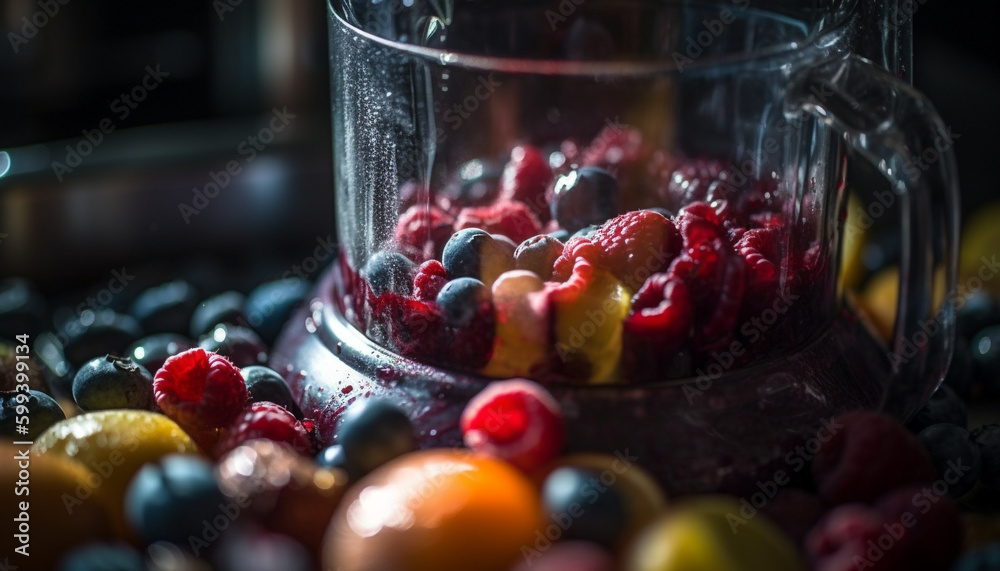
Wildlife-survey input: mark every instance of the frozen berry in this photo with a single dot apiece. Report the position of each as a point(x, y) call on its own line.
point(537, 254)
point(422, 231)
point(944, 406)
point(511, 219)
point(102, 557)
point(268, 421)
point(526, 178)
point(372, 433)
point(39, 410)
point(517, 421)
point(473, 253)
point(151, 352)
point(225, 307)
point(979, 311)
point(637, 245)
point(389, 272)
point(430, 278)
point(986, 355)
point(200, 390)
point(956, 459)
point(238, 344)
point(987, 438)
point(460, 300)
point(264, 384)
point(96, 333)
point(113, 382)
point(166, 308)
point(867, 455)
point(269, 305)
point(587, 510)
point(172, 499)
point(584, 197)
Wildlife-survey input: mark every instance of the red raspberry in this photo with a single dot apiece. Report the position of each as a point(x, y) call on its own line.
point(761, 249)
point(698, 180)
point(622, 151)
point(840, 541)
point(509, 218)
point(199, 390)
point(269, 421)
point(430, 278)
point(659, 322)
point(422, 231)
point(576, 248)
point(416, 328)
point(526, 178)
point(637, 245)
point(868, 455)
point(517, 421)
point(926, 525)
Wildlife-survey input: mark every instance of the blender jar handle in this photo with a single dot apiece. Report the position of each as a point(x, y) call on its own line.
point(897, 130)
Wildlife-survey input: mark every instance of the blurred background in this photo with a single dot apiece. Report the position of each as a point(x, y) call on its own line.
point(70, 69)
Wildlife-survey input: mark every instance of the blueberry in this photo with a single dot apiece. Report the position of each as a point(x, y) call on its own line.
point(166, 308)
point(226, 307)
point(979, 311)
point(22, 309)
point(265, 384)
point(171, 500)
point(460, 300)
point(151, 352)
point(270, 305)
point(96, 333)
point(240, 345)
point(374, 432)
point(473, 253)
point(42, 412)
point(103, 557)
point(538, 254)
point(960, 373)
point(332, 457)
point(944, 406)
point(561, 234)
point(986, 356)
point(389, 272)
point(582, 506)
point(987, 438)
point(584, 197)
point(477, 184)
point(984, 558)
point(955, 457)
point(113, 382)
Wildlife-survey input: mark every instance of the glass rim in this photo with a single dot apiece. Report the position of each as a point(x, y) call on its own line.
point(604, 68)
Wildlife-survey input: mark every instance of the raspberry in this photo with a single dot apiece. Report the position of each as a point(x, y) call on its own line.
point(422, 231)
point(622, 151)
point(268, 421)
point(526, 178)
point(698, 180)
point(659, 324)
point(576, 248)
point(517, 421)
point(926, 526)
point(761, 248)
point(840, 542)
point(199, 390)
point(416, 327)
point(429, 279)
point(510, 218)
point(868, 455)
point(636, 245)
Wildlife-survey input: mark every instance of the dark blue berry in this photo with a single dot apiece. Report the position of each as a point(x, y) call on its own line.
point(96, 333)
point(460, 300)
point(151, 352)
point(372, 433)
point(264, 384)
point(175, 499)
point(332, 457)
point(583, 507)
point(226, 307)
point(113, 382)
point(474, 253)
point(979, 311)
point(584, 197)
point(985, 558)
point(944, 406)
point(166, 308)
point(987, 438)
point(42, 412)
point(389, 272)
point(239, 344)
point(270, 305)
point(954, 456)
point(22, 309)
point(986, 356)
point(961, 372)
point(101, 557)
point(538, 254)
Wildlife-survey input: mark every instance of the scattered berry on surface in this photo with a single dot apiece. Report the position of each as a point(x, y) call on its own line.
point(222, 308)
point(200, 390)
point(238, 344)
point(264, 384)
point(151, 352)
point(268, 421)
point(956, 459)
point(269, 305)
point(166, 308)
point(113, 382)
point(42, 412)
point(372, 433)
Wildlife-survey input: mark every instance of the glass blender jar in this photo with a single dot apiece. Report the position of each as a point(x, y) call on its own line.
point(640, 205)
